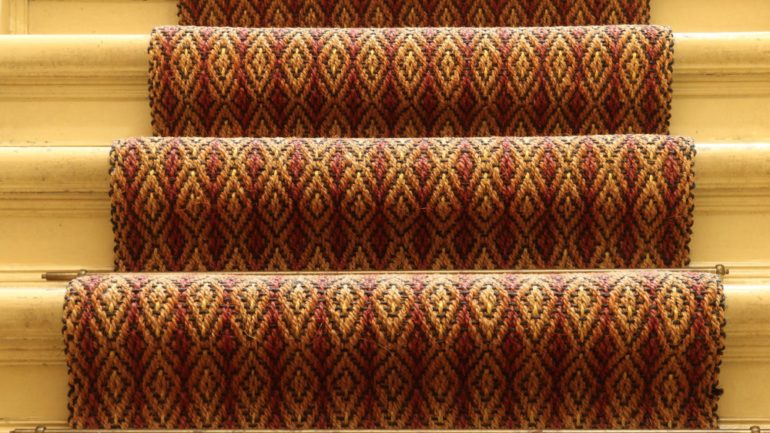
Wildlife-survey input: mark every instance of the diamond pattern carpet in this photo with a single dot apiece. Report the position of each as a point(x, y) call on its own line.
point(375, 137)
point(398, 82)
point(195, 204)
point(480, 350)
point(422, 13)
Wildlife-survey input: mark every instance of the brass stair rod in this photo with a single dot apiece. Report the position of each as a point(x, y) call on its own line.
point(720, 270)
point(41, 429)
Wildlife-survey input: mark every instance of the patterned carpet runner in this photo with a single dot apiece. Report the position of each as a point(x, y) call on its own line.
point(450, 139)
point(481, 350)
point(411, 13)
point(399, 82)
point(249, 204)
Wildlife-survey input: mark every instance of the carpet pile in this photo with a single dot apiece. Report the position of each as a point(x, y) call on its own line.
point(420, 13)
point(251, 204)
point(419, 82)
point(421, 154)
point(470, 350)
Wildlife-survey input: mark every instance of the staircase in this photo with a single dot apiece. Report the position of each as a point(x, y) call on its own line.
point(73, 77)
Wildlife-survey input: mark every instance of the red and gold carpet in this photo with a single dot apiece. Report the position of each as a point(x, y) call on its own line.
point(412, 13)
point(480, 348)
point(252, 204)
point(471, 350)
point(410, 82)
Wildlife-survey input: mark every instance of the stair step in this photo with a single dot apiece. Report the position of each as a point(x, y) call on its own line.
point(32, 358)
point(56, 208)
point(120, 16)
point(90, 90)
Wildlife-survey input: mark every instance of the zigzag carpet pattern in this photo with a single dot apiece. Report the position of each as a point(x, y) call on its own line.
point(400, 13)
point(251, 204)
point(417, 82)
point(496, 350)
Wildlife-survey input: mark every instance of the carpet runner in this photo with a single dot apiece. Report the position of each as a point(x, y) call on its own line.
point(471, 350)
point(251, 204)
point(397, 82)
point(400, 13)
point(466, 149)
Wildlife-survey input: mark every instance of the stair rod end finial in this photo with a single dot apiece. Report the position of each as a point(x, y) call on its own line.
point(64, 275)
point(722, 270)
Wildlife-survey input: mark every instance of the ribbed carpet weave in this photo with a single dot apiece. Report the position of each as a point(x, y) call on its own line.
point(411, 13)
point(193, 204)
point(599, 350)
point(400, 82)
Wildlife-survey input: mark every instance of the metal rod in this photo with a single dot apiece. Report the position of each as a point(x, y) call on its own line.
point(42, 429)
point(720, 270)
point(64, 275)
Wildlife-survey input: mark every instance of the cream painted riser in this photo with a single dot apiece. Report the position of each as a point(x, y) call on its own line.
point(138, 16)
point(90, 90)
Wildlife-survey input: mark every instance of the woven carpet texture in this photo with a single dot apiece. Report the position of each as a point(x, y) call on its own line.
point(399, 82)
point(421, 151)
point(400, 13)
point(615, 349)
point(251, 204)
